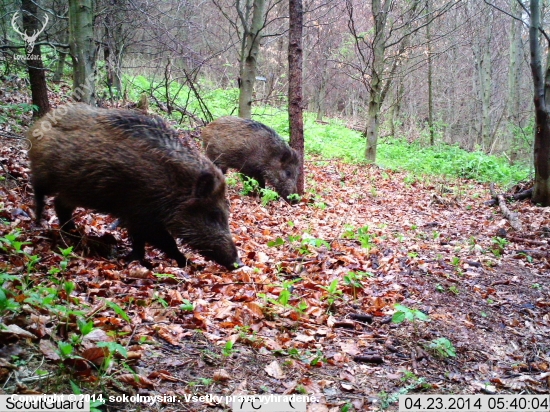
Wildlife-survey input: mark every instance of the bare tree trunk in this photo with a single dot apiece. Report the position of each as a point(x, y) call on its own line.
point(249, 58)
point(112, 53)
point(514, 75)
point(35, 67)
point(430, 74)
point(62, 56)
point(83, 50)
point(483, 85)
point(486, 84)
point(541, 189)
point(379, 15)
point(295, 108)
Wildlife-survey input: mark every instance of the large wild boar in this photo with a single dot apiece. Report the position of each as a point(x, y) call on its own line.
point(253, 149)
point(133, 167)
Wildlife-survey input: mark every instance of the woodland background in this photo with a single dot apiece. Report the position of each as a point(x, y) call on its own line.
point(394, 274)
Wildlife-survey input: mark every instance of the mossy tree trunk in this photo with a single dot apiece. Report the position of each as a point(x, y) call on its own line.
point(250, 50)
point(83, 49)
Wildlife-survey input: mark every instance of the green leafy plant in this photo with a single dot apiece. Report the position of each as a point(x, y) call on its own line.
point(361, 234)
point(95, 403)
point(333, 293)
point(268, 196)
point(277, 242)
point(10, 244)
point(404, 313)
point(206, 381)
point(66, 254)
point(32, 261)
point(348, 407)
point(294, 197)
point(7, 303)
point(228, 350)
point(187, 306)
point(353, 279)
point(308, 240)
point(250, 185)
point(442, 348)
point(454, 289)
point(500, 244)
point(118, 310)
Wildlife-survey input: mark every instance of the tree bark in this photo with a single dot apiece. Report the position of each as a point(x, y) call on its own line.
point(61, 57)
point(379, 15)
point(514, 76)
point(483, 81)
point(295, 107)
point(541, 188)
point(35, 67)
point(83, 50)
point(430, 74)
point(249, 58)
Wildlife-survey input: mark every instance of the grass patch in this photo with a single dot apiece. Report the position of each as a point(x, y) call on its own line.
point(334, 140)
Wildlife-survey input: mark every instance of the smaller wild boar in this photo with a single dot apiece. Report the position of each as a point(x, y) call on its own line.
point(133, 167)
point(253, 149)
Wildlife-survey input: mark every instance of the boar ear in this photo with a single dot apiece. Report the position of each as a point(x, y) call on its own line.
point(286, 156)
point(206, 182)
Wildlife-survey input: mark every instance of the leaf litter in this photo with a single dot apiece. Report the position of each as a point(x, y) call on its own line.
point(311, 311)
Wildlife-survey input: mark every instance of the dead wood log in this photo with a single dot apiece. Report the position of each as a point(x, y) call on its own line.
point(525, 194)
point(512, 217)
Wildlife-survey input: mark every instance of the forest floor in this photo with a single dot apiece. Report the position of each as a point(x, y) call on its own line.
point(309, 313)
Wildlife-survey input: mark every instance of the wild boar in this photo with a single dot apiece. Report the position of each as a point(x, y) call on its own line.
point(253, 149)
point(135, 168)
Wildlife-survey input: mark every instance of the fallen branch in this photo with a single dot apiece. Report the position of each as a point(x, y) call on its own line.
point(524, 194)
point(527, 241)
point(539, 254)
point(512, 217)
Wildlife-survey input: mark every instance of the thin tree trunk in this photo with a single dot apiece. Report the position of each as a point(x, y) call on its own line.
point(430, 74)
point(62, 56)
point(541, 189)
point(373, 121)
point(249, 59)
point(83, 50)
point(514, 73)
point(35, 67)
point(295, 108)
point(486, 84)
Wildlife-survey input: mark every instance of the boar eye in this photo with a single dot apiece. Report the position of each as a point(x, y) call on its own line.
point(288, 174)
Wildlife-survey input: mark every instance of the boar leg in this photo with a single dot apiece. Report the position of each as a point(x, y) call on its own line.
point(138, 248)
point(39, 200)
point(64, 215)
point(161, 239)
point(164, 241)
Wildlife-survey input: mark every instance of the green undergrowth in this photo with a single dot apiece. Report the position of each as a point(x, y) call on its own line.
point(332, 139)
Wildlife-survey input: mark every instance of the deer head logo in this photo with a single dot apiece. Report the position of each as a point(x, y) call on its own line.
point(30, 40)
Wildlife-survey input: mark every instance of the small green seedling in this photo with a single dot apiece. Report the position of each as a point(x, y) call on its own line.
point(404, 313)
point(442, 348)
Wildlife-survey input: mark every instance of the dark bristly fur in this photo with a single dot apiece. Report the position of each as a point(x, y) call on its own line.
point(254, 150)
point(133, 167)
